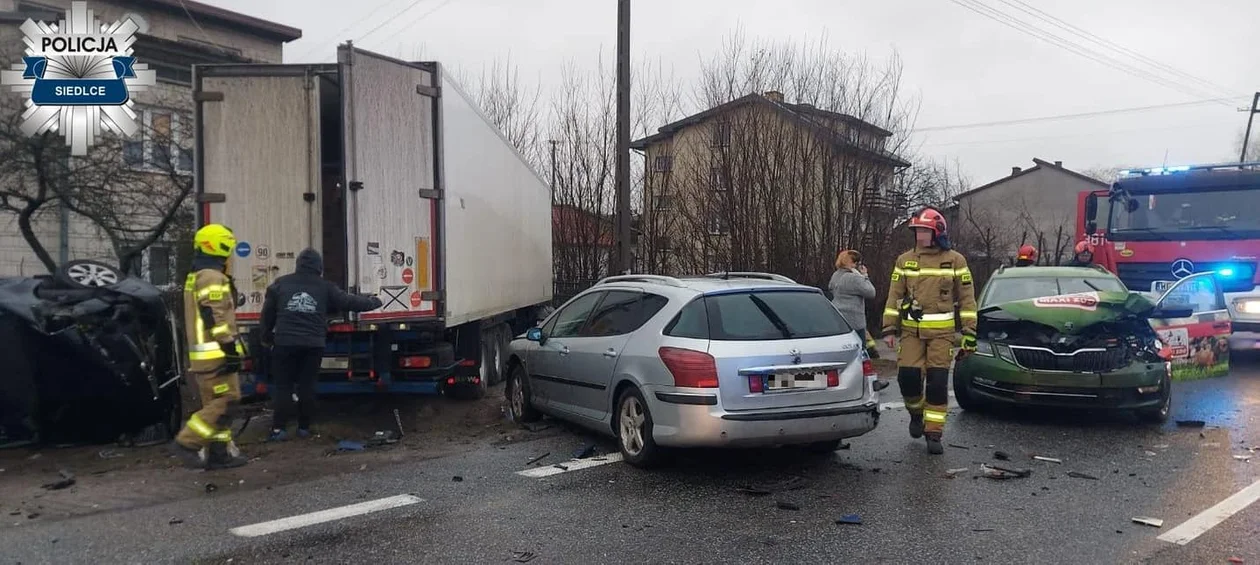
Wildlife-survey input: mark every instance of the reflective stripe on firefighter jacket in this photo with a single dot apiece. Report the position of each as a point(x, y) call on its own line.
point(209, 318)
point(932, 280)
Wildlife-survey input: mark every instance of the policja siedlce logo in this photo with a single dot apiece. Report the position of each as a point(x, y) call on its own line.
point(79, 75)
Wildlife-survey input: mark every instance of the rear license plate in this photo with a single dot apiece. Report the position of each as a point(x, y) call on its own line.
point(795, 381)
point(334, 363)
point(1159, 287)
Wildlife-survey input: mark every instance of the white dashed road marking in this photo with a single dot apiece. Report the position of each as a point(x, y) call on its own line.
point(568, 466)
point(303, 520)
point(1208, 519)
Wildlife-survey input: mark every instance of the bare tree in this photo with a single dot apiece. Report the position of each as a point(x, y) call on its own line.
point(511, 105)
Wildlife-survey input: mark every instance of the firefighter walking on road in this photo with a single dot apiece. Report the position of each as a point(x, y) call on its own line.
point(926, 283)
point(214, 352)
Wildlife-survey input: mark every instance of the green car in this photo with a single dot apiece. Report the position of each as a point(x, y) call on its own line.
point(1075, 337)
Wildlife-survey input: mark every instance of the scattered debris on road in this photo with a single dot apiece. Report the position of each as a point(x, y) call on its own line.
point(537, 427)
point(1001, 456)
point(588, 450)
point(954, 445)
point(752, 491)
point(67, 481)
point(539, 458)
point(1048, 459)
point(785, 505)
point(347, 445)
point(951, 473)
point(174, 521)
point(1002, 473)
point(1155, 522)
point(106, 454)
point(457, 479)
point(1243, 458)
point(1235, 560)
point(1151, 454)
point(523, 556)
point(211, 487)
point(982, 529)
point(380, 438)
point(1076, 475)
point(1191, 423)
point(850, 519)
point(398, 420)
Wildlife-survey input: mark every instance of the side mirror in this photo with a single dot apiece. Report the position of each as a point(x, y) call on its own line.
point(1132, 206)
point(534, 334)
point(1091, 227)
point(1172, 313)
point(1091, 208)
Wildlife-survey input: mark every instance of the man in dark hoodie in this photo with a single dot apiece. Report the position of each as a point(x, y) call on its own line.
point(295, 323)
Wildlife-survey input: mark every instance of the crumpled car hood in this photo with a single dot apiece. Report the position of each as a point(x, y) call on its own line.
point(1072, 313)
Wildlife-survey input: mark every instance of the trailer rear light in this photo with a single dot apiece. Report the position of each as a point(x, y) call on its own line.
point(415, 362)
point(476, 380)
point(341, 328)
point(450, 381)
point(833, 378)
point(695, 369)
point(467, 362)
point(756, 383)
point(260, 388)
point(372, 374)
point(349, 375)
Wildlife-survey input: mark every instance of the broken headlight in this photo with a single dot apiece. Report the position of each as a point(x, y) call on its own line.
point(984, 347)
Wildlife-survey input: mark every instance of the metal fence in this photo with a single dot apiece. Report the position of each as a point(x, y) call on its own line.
point(562, 291)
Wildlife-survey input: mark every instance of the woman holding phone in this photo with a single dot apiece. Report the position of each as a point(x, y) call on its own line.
point(850, 289)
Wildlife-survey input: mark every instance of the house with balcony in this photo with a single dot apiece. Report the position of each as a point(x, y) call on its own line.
point(173, 36)
point(758, 182)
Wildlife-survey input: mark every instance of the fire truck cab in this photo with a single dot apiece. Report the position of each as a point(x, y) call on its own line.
point(1158, 225)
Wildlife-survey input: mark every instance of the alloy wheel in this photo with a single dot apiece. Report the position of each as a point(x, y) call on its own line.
point(518, 399)
point(92, 275)
point(632, 420)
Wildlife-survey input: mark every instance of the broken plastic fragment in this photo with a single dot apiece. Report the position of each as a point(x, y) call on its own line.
point(1048, 459)
point(1156, 522)
point(850, 519)
point(1077, 475)
point(1191, 423)
point(785, 505)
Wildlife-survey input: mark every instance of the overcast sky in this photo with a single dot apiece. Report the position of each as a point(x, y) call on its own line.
point(966, 68)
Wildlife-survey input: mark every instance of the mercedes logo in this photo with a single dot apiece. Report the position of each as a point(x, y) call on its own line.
point(1182, 268)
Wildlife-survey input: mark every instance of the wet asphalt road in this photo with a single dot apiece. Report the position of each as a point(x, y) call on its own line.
point(693, 511)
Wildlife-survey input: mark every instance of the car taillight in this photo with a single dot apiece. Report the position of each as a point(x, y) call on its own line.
point(415, 362)
point(833, 378)
point(695, 369)
point(868, 368)
point(756, 383)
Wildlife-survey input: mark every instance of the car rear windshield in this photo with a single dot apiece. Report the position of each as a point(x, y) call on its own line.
point(1024, 288)
point(759, 316)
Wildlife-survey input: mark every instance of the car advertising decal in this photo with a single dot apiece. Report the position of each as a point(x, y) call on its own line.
point(1087, 301)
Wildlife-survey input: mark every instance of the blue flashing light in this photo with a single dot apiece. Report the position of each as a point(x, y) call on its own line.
point(1124, 173)
point(1180, 169)
point(1226, 272)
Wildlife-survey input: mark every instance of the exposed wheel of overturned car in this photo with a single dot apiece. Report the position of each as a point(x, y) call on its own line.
point(87, 274)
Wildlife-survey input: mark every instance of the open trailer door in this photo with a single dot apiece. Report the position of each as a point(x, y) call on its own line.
point(257, 168)
point(1199, 334)
point(391, 170)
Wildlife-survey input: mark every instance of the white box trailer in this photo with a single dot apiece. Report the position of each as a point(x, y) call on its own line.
point(390, 171)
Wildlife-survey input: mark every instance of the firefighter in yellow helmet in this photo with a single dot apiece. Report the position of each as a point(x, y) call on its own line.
point(214, 351)
point(926, 283)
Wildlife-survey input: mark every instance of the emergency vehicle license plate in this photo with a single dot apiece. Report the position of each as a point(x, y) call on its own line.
point(1160, 287)
point(334, 363)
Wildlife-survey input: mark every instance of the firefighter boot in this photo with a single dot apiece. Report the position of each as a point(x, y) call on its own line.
point(221, 457)
point(934, 444)
point(916, 426)
point(191, 457)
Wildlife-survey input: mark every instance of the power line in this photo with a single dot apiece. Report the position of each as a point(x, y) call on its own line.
point(389, 19)
point(336, 37)
point(417, 20)
point(1082, 134)
point(1072, 116)
point(1023, 27)
point(1044, 16)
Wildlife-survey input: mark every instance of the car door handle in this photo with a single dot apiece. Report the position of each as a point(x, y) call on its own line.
point(611, 353)
point(564, 350)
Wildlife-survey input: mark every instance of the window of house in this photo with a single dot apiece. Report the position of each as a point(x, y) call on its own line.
point(718, 179)
point(663, 163)
point(163, 143)
point(717, 223)
point(664, 202)
point(722, 134)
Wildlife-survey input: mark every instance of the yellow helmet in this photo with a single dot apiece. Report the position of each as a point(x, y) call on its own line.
point(215, 240)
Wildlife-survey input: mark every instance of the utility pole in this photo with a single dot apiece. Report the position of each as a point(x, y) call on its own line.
point(624, 261)
point(553, 171)
point(1255, 109)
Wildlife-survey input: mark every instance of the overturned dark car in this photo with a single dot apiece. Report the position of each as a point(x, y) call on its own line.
point(89, 355)
point(1075, 337)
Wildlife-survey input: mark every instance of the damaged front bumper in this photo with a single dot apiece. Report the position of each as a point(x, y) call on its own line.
point(995, 379)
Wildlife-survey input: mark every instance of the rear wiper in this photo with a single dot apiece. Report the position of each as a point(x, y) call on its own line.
point(774, 318)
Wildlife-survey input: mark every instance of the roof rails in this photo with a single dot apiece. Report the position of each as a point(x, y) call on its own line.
point(750, 275)
point(1186, 168)
point(662, 279)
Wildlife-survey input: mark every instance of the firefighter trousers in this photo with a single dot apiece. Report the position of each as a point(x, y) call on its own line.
point(923, 376)
point(220, 394)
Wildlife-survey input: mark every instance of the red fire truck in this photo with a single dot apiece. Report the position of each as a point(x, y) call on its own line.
point(1157, 225)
